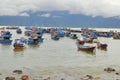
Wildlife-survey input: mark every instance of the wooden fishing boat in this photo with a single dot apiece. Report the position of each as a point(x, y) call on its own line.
point(6, 41)
point(87, 48)
point(73, 36)
point(39, 36)
point(55, 37)
point(27, 33)
point(67, 34)
point(116, 35)
point(102, 46)
point(60, 34)
point(7, 33)
point(79, 42)
point(33, 41)
point(20, 47)
point(19, 31)
point(20, 44)
point(5, 37)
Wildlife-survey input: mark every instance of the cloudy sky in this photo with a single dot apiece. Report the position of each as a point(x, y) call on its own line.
point(104, 8)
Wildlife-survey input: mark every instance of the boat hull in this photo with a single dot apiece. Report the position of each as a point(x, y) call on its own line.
point(20, 47)
point(91, 49)
point(103, 46)
point(55, 38)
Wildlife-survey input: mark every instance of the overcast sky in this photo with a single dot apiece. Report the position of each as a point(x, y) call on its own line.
point(105, 8)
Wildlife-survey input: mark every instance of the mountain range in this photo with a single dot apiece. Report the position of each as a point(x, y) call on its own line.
point(60, 19)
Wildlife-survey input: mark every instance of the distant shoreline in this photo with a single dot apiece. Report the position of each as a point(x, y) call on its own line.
point(74, 28)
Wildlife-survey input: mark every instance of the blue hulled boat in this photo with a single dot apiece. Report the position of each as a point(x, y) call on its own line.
point(73, 36)
point(33, 41)
point(20, 43)
point(102, 45)
point(55, 37)
point(27, 33)
point(7, 33)
point(5, 38)
point(61, 34)
point(19, 31)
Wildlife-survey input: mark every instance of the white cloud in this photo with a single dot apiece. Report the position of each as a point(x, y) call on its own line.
point(105, 8)
point(46, 15)
point(23, 14)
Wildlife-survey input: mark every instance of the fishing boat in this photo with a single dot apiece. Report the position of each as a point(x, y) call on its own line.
point(73, 36)
point(5, 40)
point(86, 40)
point(20, 43)
point(19, 31)
point(87, 48)
point(33, 41)
point(60, 34)
point(5, 37)
point(116, 35)
point(40, 39)
point(27, 33)
point(6, 33)
point(39, 36)
point(101, 45)
point(79, 42)
point(55, 37)
point(67, 34)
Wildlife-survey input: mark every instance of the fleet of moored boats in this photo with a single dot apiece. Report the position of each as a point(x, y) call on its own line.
point(35, 37)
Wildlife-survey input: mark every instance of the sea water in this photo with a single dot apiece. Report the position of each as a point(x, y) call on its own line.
point(60, 57)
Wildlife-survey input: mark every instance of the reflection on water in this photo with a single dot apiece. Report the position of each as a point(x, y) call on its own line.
point(19, 50)
point(104, 49)
point(19, 54)
point(88, 52)
point(5, 46)
point(34, 46)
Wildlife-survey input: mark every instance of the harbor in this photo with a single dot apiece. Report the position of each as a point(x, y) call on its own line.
point(59, 59)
